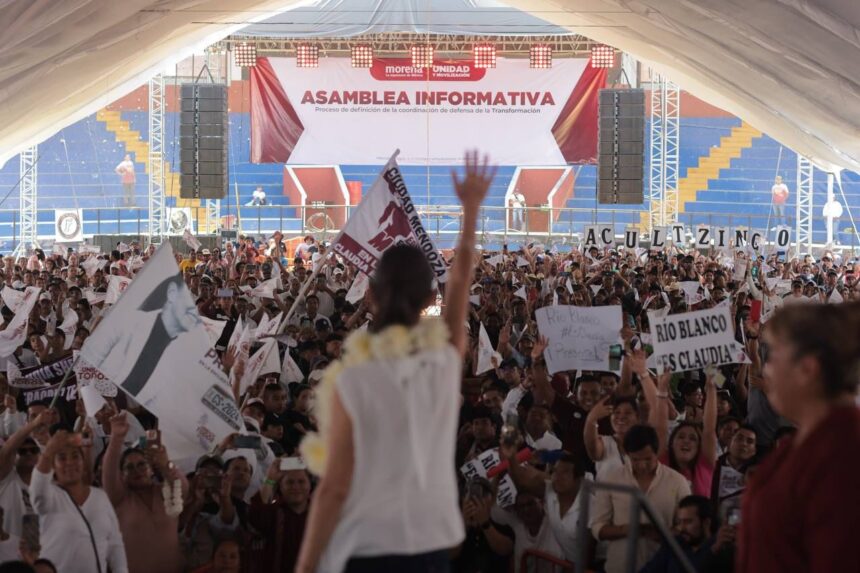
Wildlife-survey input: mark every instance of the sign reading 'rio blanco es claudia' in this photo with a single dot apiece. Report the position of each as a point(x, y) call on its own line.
point(694, 340)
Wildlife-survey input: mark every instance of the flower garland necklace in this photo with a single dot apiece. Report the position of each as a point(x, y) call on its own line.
point(172, 494)
point(392, 343)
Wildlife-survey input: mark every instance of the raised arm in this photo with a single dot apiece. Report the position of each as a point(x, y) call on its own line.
point(471, 190)
point(593, 443)
point(111, 473)
point(16, 440)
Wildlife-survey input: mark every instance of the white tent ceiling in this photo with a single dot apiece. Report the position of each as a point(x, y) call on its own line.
point(789, 67)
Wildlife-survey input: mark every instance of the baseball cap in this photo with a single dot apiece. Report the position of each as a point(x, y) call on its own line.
point(205, 252)
point(209, 460)
point(319, 362)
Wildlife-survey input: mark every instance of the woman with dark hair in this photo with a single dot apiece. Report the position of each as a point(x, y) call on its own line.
point(79, 530)
point(388, 412)
point(607, 452)
point(800, 509)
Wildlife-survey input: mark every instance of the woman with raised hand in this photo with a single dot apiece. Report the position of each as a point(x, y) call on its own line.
point(388, 413)
point(79, 529)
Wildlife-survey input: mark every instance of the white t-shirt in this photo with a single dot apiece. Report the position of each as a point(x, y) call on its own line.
point(612, 458)
point(517, 199)
point(545, 540)
point(9, 549)
point(15, 501)
point(564, 527)
point(64, 536)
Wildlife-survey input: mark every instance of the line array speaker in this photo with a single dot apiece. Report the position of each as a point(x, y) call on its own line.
point(621, 146)
point(203, 124)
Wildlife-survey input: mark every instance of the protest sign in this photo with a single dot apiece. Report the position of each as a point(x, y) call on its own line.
point(154, 347)
point(386, 216)
point(590, 236)
point(678, 233)
point(658, 237)
point(606, 234)
point(783, 238)
point(90, 249)
point(740, 270)
point(721, 237)
point(631, 237)
point(66, 400)
point(507, 491)
point(703, 236)
point(191, 240)
point(756, 240)
point(579, 337)
point(694, 340)
point(92, 264)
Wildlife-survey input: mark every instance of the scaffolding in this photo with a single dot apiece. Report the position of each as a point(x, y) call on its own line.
point(664, 143)
point(805, 180)
point(157, 208)
point(28, 236)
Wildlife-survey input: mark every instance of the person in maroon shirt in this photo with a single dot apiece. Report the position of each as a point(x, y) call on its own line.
point(801, 508)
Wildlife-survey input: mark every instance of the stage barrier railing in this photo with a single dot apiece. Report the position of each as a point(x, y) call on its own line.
point(497, 225)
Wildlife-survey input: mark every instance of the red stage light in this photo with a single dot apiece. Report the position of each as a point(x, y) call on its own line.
point(361, 56)
point(245, 55)
point(484, 55)
point(602, 56)
point(422, 56)
point(307, 56)
point(540, 56)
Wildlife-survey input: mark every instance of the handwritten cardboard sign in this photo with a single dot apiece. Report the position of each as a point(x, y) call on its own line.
point(579, 337)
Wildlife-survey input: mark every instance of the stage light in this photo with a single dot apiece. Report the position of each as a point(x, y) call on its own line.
point(540, 56)
point(307, 56)
point(422, 56)
point(245, 55)
point(484, 55)
point(361, 56)
point(602, 56)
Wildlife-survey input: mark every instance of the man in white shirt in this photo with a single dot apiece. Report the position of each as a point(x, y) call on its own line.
point(779, 192)
point(531, 526)
point(663, 486)
point(517, 203)
point(258, 197)
point(126, 172)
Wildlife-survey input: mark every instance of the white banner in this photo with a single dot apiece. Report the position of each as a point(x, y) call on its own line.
point(694, 340)
point(153, 345)
point(179, 219)
point(579, 337)
point(352, 115)
point(358, 288)
point(87, 375)
point(68, 225)
point(386, 217)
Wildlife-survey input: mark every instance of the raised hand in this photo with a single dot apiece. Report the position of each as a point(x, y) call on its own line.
point(539, 347)
point(473, 187)
point(119, 425)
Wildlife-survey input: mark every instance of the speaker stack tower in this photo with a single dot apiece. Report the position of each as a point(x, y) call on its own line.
point(203, 141)
point(621, 146)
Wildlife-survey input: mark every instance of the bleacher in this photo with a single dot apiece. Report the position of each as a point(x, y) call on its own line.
point(76, 170)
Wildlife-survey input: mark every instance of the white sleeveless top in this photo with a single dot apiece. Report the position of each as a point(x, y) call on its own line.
point(403, 498)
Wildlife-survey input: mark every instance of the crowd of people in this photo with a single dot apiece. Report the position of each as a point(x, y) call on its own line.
point(86, 491)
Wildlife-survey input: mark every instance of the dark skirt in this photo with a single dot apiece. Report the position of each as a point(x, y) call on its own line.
point(433, 562)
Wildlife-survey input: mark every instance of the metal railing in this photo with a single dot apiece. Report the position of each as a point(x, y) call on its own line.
point(639, 504)
point(496, 224)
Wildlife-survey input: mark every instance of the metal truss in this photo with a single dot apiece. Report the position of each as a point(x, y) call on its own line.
point(157, 210)
point(563, 46)
point(664, 145)
point(28, 237)
point(805, 180)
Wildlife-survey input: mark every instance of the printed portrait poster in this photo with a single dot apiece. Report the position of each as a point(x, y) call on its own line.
point(154, 346)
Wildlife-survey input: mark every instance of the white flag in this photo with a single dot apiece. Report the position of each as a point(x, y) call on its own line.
point(386, 217)
point(596, 289)
point(522, 262)
point(496, 260)
point(116, 286)
point(475, 299)
point(214, 328)
point(12, 298)
point(191, 240)
point(691, 292)
point(265, 289)
point(521, 293)
point(290, 371)
point(69, 326)
point(835, 297)
point(268, 327)
point(93, 400)
point(255, 364)
point(92, 264)
point(238, 330)
point(123, 248)
point(485, 352)
point(15, 332)
point(153, 346)
point(358, 288)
